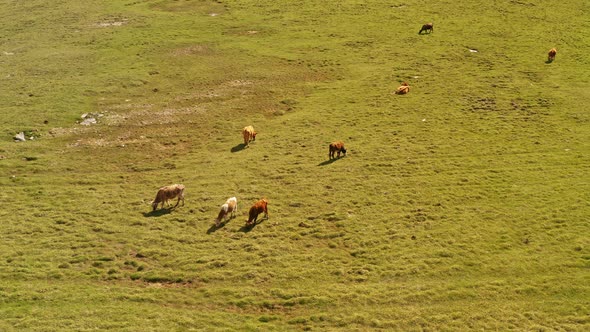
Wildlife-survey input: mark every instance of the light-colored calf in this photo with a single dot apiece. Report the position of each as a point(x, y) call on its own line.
point(229, 207)
point(167, 193)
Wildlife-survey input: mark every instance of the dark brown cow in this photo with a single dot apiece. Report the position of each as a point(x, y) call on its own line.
point(167, 193)
point(551, 55)
point(256, 209)
point(336, 148)
point(428, 28)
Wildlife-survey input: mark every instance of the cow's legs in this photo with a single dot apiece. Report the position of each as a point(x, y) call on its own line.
point(178, 201)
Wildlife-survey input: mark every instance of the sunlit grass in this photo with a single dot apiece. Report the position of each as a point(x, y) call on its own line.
point(461, 205)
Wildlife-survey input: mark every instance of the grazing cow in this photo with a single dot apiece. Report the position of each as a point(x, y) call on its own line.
point(403, 89)
point(167, 193)
point(336, 147)
point(551, 55)
point(428, 28)
point(230, 207)
point(256, 209)
point(249, 134)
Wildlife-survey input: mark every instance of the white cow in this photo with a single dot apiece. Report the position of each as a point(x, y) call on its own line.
point(229, 207)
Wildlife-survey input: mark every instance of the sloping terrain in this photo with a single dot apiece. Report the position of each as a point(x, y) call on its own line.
point(462, 205)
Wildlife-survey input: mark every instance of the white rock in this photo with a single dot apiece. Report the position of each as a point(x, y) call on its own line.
point(88, 121)
point(20, 137)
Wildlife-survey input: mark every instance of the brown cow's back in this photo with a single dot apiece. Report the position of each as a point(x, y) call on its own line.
point(336, 147)
point(551, 54)
point(249, 134)
point(256, 209)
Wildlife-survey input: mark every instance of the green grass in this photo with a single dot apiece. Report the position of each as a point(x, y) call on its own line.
point(461, 206)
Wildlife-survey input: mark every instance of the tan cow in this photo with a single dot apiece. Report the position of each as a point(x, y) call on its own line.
point(403, 89)
point(551, 54)
point(256, 209)
point(336, 147)
point(249, 135)
point(167, 193)
point(230, 207)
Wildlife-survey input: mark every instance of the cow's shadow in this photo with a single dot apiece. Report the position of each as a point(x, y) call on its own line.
point(157, 213)
point(329, 161)
point(238, 147)
point(214, 228)
point(548, 61)
point(247, 228)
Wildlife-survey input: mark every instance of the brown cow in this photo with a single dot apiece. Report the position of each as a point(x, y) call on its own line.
point(256, 209)
point(551, 55)
point(249, 134)
point(167, 193)
point(428, 28)
point(403, 89)
point(336, 147)
point(230, 207)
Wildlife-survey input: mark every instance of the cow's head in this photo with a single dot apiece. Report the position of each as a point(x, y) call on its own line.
point(343, 150)
point(254, 136)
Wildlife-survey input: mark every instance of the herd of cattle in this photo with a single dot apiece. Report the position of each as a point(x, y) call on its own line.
point(230, 207)
point(428, 28)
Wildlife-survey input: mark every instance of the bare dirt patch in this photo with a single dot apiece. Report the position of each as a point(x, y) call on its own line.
point(193, 50)
point(110, 24)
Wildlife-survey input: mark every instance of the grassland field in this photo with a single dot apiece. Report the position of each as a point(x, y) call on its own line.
point(463, 205)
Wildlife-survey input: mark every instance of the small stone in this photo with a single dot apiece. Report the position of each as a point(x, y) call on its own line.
point(88, 121)
point(20, 137)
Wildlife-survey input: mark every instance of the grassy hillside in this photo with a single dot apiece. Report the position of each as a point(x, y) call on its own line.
point(462, 205)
